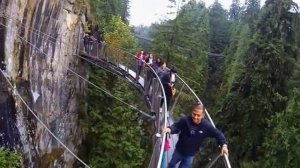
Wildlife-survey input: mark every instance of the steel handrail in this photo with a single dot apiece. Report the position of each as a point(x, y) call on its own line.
point(163, 92)
point(164, 96)
point(228, 165)
point(124, 50)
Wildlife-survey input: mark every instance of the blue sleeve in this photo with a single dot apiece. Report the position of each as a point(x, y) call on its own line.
point(177, 127)
point(217, 134)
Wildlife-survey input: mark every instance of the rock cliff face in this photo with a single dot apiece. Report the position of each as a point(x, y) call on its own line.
point(38, 41)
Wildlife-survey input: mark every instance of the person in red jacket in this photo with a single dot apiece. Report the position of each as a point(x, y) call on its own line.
point(140, 62)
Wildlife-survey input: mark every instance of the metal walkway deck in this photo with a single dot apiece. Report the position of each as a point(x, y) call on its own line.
point(123, 63)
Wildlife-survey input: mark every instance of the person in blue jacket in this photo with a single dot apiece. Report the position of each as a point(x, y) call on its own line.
point(192, 131)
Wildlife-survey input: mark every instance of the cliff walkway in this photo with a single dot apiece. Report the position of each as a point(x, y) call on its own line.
point(123, 63)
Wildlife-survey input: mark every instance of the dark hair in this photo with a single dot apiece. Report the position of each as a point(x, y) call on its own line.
point(161, 63)
point(198, 106)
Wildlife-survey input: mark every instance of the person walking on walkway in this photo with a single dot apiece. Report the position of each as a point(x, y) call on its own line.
point(192, 131)
point(140, 61)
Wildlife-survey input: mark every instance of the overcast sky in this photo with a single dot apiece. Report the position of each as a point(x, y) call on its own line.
point(145, 12)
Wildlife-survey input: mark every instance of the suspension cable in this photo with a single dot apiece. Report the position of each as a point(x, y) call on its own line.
point(91, 62)
point(207, 115)
point(35, 31)
point(107, 92)
point(41, 122)
point(29, 27)
point(163, 92)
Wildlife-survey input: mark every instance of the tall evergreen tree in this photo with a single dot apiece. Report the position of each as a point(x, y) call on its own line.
point(218, 41)
point(103, 10)
point(284, 152)
point(219, 26)
point(251, 13)
point(187, 51)
point(235, 10)
point(113, 131)
point(261, 90)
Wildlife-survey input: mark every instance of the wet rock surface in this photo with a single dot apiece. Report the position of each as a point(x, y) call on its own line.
point(38, 44)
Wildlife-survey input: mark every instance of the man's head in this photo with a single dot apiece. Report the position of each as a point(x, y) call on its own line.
point(198, 114)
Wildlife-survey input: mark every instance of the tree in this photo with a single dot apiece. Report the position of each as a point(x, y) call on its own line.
point(284, 151)
point(113, 131)
point(251, 13)
point(118, 34)
point(219, 26)
point(261, 90)
point(186, 51)
point(235, 10)
point(103, 10)
point(235, 59)
point(10, 158)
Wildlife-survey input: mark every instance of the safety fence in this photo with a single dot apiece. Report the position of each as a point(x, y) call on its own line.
point(153, 89)
point(122, 60)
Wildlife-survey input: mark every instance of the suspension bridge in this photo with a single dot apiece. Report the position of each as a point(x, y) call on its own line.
point(123, 63)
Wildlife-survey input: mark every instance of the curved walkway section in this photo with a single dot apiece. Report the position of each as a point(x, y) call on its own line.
point(180, 104)
point(123, 63)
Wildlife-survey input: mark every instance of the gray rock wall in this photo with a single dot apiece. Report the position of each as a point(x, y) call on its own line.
point(39, 39)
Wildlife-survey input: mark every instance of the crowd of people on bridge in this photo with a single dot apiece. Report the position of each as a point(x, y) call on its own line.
point(192, 129)
point(93, 35)
point(166, 75)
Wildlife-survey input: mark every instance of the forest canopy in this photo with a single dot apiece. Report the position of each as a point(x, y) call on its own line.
point(242, 62)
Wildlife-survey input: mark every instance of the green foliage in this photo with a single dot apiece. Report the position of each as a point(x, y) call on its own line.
point(258, 75)
point(234, 61)
point(284, 152)
point(10, 159)
point(119, 139)
point(235, 10)
point(186, 51)
point(219, 26)
point(282, 146)
point(114, 133)
point(113, 129)
point(251, 13)
point(259, 91)
point(219, 34)
point(103, 11)
point(118, 34)
point(111, 17)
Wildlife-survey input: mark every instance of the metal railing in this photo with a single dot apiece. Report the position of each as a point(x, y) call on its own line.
point(180, 104)
point(154, 90)
point(122, 60)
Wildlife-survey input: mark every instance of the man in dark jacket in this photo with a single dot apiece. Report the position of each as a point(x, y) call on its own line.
point(193, 130)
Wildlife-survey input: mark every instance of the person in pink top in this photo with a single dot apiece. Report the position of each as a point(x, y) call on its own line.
point(140, 62)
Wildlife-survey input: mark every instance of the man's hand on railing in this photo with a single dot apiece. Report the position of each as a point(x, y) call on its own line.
point(224, 150)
